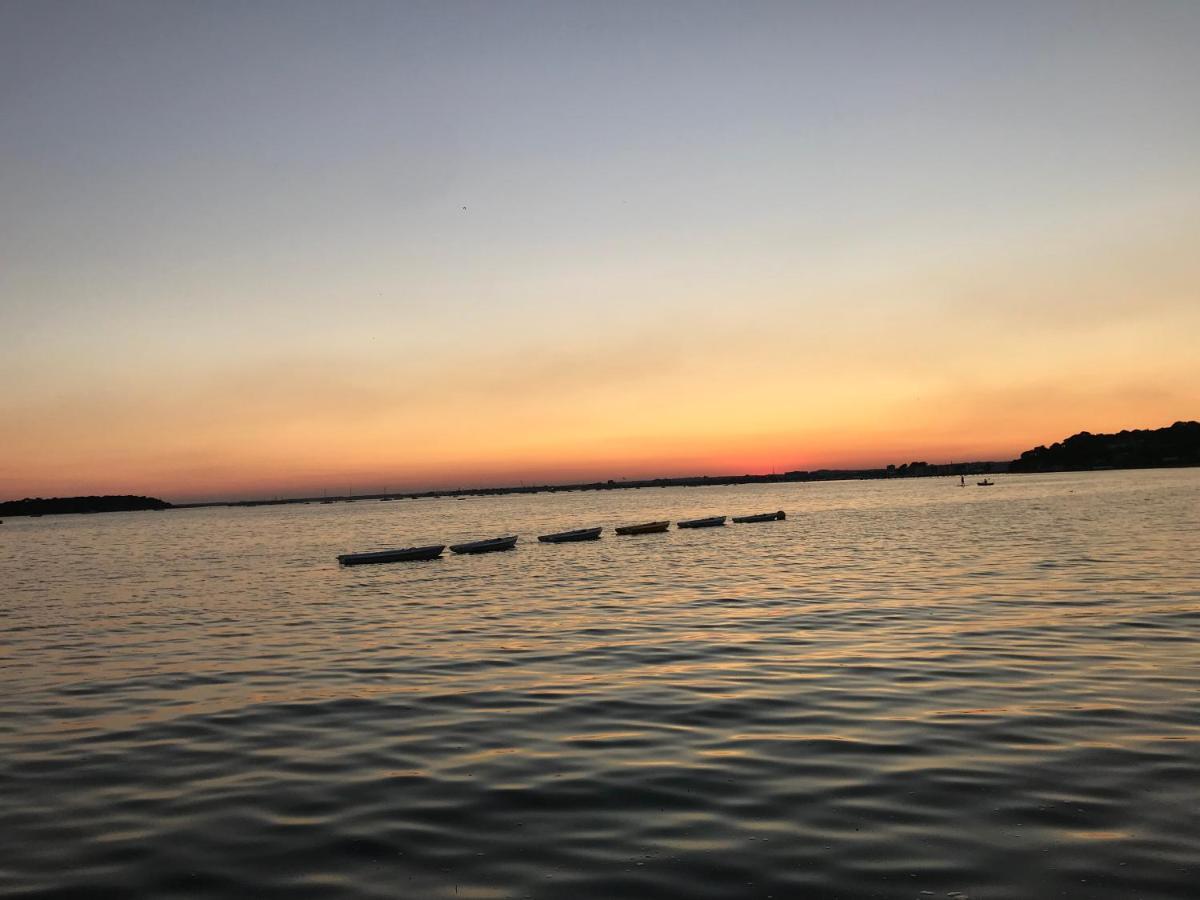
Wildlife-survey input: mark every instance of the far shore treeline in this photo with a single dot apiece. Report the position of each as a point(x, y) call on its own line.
point(1178, 445)
point(38, 506)
point(1175, 446)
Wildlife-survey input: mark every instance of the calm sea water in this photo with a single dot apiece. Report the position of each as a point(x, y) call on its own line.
point(907, 689)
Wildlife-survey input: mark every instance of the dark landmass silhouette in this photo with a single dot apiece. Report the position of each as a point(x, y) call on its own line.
point(51, 506)
point(906, 470)
point(1177, 445)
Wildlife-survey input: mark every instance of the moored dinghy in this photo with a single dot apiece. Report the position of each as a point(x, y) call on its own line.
point(486, 546)
point(710, 522)
point(762, 517)
point(403, 554)
point(565, 537)
point(644, 528)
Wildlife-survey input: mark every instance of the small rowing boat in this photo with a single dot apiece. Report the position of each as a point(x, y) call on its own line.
point(644, 528)
point(566, 537)
point(710, 522)
point(762, 517)
point(985, 483)
point(486, 546)
point(404, 554)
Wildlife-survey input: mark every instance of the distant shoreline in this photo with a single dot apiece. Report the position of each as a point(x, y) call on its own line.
point(821, 476)
point(978, 468)
point(920, 470)
point(62, 506)
point(1173, 447)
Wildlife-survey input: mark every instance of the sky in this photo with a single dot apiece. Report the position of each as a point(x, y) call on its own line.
point(253, 249)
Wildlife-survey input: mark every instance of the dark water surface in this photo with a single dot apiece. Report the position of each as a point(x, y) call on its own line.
point(907, 689)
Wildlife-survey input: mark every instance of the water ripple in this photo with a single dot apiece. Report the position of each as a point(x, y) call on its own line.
point(904, 690)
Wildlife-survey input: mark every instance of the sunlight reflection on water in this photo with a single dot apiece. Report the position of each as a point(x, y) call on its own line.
point(904, 687)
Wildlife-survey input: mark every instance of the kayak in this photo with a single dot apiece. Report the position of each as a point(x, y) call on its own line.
point(710, 522)
point(565, 537)
point(644, 528)
point(761, 517)
point(404, 554)
point(486, 546)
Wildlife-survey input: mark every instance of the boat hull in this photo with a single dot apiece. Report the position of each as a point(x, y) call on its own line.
point(568, 537)
point(761, 517)
point(403, 554)
point(491, 545)
point(644, 528)
point(710, 522)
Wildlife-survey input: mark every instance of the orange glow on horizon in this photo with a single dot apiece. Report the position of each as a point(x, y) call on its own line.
point(322, 311)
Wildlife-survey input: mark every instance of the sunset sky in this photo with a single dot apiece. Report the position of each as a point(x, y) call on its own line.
point(259, 249)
